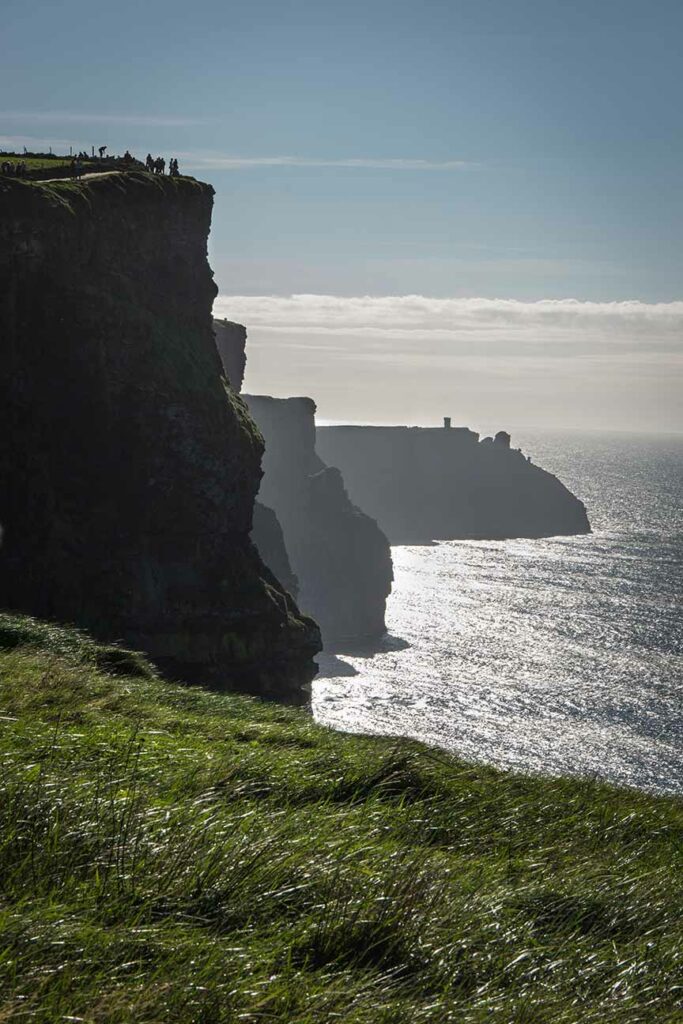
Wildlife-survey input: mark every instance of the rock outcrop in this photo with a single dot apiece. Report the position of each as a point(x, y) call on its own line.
point(128, 470)
point(267, 535)
point(231, 340)
point(340, 556)
point(424, 484)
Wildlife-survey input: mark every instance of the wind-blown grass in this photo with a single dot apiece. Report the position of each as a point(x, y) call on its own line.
point(37, 163)
point(169, 854)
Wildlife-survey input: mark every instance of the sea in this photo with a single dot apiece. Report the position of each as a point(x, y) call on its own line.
point(560, 656)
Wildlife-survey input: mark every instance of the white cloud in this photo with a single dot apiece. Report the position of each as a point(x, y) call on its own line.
point(419, 319)
point(196, 162)
point(412, 358)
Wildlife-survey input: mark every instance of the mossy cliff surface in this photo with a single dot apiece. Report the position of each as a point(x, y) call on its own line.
point(128, 469)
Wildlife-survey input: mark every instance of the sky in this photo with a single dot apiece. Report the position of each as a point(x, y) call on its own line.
point(448, 207)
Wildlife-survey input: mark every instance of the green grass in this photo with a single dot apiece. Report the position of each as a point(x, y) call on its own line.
point(37, 163)
point(168, 854)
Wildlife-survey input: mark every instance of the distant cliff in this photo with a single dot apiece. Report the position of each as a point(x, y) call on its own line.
point(340, 556)
point(231, 339)
point(424, 484)
point(267, 534)
point(128, 470)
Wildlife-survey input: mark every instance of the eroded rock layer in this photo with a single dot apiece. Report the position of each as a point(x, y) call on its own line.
point(128, 470)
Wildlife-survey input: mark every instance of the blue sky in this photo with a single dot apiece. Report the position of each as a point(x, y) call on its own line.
point(516, 149)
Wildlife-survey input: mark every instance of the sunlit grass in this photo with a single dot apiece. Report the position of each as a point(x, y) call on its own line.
point(168, 854)
point(37, 163)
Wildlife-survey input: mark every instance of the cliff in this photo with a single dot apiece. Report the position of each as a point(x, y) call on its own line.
point(267, 535)
point(128, 470)
point(231, 339)
point(340, 556)
point(424, 484)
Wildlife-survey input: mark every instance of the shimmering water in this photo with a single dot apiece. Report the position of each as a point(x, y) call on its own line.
point(557, 656)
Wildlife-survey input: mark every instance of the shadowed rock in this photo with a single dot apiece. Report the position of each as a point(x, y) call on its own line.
point(127, 470)
point(267, 535)
point(424, 484)
point(231, 339)
point(340, 556)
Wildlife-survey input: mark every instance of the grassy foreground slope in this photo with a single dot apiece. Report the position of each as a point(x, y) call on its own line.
point(169, 854)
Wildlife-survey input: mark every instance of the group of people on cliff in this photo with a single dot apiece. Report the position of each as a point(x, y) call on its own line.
point(15, 170)
point(157, 165)
point(77, 165)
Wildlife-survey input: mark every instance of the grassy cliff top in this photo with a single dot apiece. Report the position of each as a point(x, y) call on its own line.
point(17, 195)
point(169, 854)
point(37, 163)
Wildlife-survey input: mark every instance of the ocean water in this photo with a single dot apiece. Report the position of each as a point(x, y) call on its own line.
point(557, 656)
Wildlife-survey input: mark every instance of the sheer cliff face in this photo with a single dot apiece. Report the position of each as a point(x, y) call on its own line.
point(340, 556)
point(231, 339)
point(440, 484)
point(128, 470)
point(267, 534)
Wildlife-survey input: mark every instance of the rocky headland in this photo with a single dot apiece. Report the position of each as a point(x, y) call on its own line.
point(423, 484)
point(128, 467)
point(231, 340)
point(330, 554)
point(341, 558)
point(180, 855)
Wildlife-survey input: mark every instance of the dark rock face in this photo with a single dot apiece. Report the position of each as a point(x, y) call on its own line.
point(127, 470)
point(267, 535)
point(424, 484)
point(231, 340)
point(340, 556)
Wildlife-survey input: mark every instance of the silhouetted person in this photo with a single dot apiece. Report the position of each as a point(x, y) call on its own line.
point(101, 151)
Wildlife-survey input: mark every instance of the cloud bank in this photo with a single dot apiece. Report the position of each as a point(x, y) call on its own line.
point(476, 320)
point(196, 162)
point(412, 358)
